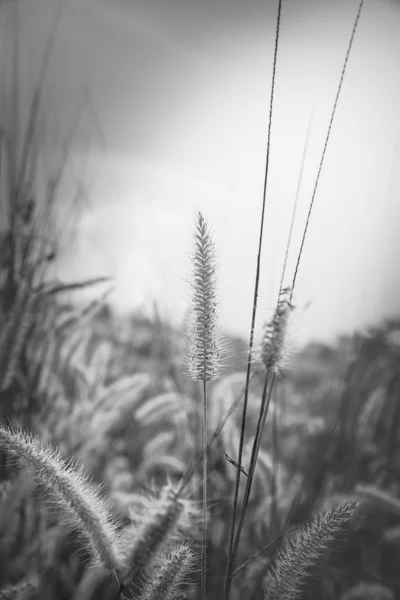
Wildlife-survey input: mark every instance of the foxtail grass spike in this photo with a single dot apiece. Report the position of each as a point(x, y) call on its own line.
point(272, 352)
point(166, 581)
point(70, 493)
point(292, 564)
point(205, 351)
point(143, 542)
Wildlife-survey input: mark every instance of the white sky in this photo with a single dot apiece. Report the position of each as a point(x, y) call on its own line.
point(182, 92)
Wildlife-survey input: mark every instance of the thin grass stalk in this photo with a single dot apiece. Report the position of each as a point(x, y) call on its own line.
point(78, 285)
point(265, 404)
point(229, 564)
point(295, 204)
point(18, 172)
point(326, 143)
point(9, 146)
point(249, 480)
point(14, 332)
point(147, 540)
point(204, 358)
point(344, 405)
point(15, 90)
point(262, 415)
point(55, 180)
point(271, 357)
point(263, 549)
point(275, 524)
point(217, 431)
point(37, 98)
point(52, 187)
point(205, 490)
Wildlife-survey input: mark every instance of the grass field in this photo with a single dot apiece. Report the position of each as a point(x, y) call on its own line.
point(144, 461)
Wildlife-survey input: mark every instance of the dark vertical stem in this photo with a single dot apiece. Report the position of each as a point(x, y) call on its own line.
point(265, 404)
point(326, 143)
point(205, 490)
point(275, 516)
point(296, 202)
point(229, 564)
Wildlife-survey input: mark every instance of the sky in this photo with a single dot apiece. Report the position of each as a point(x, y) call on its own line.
point(177, 122)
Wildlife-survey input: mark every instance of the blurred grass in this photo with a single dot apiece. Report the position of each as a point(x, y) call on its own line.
point(110, 391)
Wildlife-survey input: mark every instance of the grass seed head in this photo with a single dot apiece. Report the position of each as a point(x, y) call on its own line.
point(205, 350)
point(143, 541)
point(168, 578)
point(69, 492)
point(273, 344)
point(292, 564)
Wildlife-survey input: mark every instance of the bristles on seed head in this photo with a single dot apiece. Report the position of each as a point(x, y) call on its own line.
point(143, 541)
point(294, 562)
point(170, 574)
point(69, 491)
point(205, 350)
point(272, 353)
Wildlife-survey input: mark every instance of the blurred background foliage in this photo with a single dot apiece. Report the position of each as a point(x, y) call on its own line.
point(111, 392)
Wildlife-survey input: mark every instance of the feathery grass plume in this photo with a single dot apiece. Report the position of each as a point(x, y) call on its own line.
point(167, 579)
point(69, 492)
point(273, 351)
point(299, 555)
point(139, 543)
point(205, 351)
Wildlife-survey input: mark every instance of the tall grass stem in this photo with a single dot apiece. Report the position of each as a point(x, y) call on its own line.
point(229, 565)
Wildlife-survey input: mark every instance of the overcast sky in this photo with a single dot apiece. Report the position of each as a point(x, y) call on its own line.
point(181, 89)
